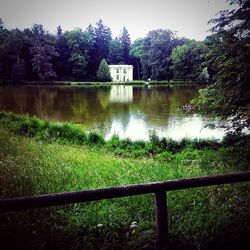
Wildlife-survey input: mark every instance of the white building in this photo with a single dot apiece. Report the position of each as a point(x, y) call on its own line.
point(121, 73)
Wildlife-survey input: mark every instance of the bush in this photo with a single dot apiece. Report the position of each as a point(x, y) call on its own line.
point(94, 138)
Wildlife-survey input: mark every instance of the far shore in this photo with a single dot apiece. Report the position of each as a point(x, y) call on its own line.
point(89, 83)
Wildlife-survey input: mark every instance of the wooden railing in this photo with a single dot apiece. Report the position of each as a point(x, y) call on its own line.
point(158, 188)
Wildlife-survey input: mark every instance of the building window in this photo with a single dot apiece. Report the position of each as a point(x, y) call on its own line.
point(117, 71)
point(124, 71)
point(117, 77)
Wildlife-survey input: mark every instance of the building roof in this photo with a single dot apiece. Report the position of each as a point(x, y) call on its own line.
point(121, 66)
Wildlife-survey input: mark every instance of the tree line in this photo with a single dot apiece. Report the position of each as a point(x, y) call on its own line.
point(35, 54)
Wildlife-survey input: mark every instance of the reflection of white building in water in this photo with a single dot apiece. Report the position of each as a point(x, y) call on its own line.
point(121, 73)
point(121, 94)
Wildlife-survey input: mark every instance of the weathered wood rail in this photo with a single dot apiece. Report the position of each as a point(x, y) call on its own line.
point(158, 188)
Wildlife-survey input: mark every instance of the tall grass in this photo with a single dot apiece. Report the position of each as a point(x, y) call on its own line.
point(68, 133)
point(204, 218)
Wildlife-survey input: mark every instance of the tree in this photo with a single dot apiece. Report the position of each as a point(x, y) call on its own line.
point(156, 54)
point(116, 52)
point(61, 63)
point(12, 53)
point(229, 96)
point(80, 44)
point(18, 70)
point(187, 60)
point(59, 31)
point(42, 51)
point(136, 55)
point(102, 39)
point(126, 42)
point(103, 73)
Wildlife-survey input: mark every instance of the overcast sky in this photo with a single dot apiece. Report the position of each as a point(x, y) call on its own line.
point(188, 17)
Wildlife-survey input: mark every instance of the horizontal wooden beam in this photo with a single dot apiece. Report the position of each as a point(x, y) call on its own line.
point(56, 199)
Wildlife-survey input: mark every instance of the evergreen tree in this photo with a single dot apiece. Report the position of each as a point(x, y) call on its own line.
point(126, 42)
point(61, 63)
point(103, 73)
point(91, 66)
point(115, 52)
point(59, 31)
point(42, 51)
point(102, 39)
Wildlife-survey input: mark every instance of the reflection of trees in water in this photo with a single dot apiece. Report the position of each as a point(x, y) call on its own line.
point(180, 96)
point(153, 103)
point(94, 107)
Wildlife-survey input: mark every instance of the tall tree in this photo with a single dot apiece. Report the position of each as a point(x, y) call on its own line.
point(229, 96)
point(42, 50)
point(115, 52)
point(126, 42)
point(80, 43)
point(102, 39)
point(136, 51)
point(156, 54)
point(103, 73)
point(59, 31)
point(12, 53)
point(188, 59)
point(61, 63)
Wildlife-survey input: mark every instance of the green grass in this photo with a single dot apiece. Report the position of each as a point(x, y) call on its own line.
point(69, 133)
point(204, 218)
point(94, 83)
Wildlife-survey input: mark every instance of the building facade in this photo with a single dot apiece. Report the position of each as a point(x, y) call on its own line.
point(121, 73)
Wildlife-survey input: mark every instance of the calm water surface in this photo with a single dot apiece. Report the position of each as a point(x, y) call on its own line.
point(128, 111)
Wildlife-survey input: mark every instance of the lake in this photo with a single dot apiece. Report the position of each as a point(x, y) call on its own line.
point(128, 111)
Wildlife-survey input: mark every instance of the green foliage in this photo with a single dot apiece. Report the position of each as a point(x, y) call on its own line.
point(136, 52)
point(42, 51)
point(203, 217)
point(102, 39)
point(126, 42)
point(80, 44)
point(115, 52)
point(103, 73)
point(35, 127)
point(95, 138)
point(67, 133)
point(203, 77)
point(156, 54)
point(228, 62)
point(187, 60)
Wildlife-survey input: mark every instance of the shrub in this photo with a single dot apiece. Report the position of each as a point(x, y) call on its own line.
point(95, 138)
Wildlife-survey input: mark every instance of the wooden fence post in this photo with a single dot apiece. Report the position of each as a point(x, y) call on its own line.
point(161, 218)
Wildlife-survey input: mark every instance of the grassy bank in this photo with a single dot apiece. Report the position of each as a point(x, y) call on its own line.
point(204, 218)
point(75, 134)
point(88, 83)
point(69, 133)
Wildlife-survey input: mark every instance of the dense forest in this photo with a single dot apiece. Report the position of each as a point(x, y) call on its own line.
point(35, 54)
